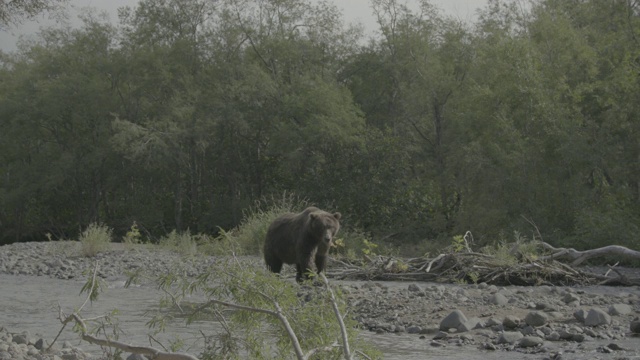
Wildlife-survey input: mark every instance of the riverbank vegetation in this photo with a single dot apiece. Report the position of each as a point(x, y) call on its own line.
point(185, 113)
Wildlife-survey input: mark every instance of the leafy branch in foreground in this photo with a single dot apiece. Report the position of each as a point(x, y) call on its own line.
point(92, 290)
point(263, 316)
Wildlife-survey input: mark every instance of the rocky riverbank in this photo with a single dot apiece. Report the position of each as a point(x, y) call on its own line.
point(481, 320)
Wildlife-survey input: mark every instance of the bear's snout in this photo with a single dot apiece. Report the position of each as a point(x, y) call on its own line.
point(328, 237)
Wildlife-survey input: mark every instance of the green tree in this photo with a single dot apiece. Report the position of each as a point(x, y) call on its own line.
point(56, 102)
point(14, 12)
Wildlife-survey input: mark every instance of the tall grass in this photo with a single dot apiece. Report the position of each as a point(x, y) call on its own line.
point(248, 237)
point(181, 242)
point(95, 238)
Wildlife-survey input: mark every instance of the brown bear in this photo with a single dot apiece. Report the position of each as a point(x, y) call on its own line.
point(301, 239)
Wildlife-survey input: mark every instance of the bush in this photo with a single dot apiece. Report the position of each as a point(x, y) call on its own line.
point(353, 244)
point(248, 237)
point(181, 242)
point(95, 238)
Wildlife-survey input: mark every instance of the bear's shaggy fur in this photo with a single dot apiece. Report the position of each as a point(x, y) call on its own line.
point(301, 239)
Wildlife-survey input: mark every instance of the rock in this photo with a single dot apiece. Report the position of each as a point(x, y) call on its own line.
point(565, 335)
point(536, 318)
point(468, 339)
point(72, 356)
point(21, 338)
point(31, 350)
point(499, 299)
point(635, 326)
point(579, 338)
point(619, 309)
point(414, 288)
point(616, 347)
point(489, 346)
point(529, 330)
point(136, 357)
point(440, 335)
point(40, 344)
point(414, 329)
point(596, 317)
point(543, 306)
point(571, 298)
point(580, 315)
point(453, 320)
point(470, 324)
point(509, 337)
point(511, 322)
point(553, 336)
point(429, 330)
point(530, 341)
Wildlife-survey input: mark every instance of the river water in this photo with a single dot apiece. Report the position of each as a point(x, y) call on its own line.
point(31, 303)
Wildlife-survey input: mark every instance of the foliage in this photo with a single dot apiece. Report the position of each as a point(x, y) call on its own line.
point(185, 113)
point(509, 253)
point(353, 243)
point(250, 331)
point(14, 12)
point(458, 244)
point(369, 247)
point(248, 237)
point(181, 242)
point(133, 236)
point(95, 238)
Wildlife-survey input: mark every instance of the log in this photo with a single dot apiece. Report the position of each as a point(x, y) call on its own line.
point(578, 257)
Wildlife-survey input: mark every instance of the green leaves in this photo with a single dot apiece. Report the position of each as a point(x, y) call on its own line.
point(185, 113)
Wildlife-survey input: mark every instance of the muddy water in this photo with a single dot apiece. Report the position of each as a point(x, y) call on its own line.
point(31, 303)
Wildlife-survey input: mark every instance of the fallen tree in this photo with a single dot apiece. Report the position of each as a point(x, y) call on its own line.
point(532, 263)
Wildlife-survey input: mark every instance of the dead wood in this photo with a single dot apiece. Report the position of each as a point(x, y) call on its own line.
point(549, 268)
point(578, 257)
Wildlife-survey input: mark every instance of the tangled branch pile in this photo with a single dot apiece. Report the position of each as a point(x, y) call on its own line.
point(511, 267)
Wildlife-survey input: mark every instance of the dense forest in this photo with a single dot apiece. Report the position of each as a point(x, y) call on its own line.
point(186, 112)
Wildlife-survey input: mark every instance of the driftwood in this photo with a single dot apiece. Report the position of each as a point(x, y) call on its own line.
point(578, 257)
point(547, 268)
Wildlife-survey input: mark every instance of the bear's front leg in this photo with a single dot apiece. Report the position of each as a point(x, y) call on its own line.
point(321, 262)
point(304, 267)
point(299, 273)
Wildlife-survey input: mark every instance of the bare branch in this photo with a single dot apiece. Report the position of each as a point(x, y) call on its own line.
point(336, 311)
point(142, 350)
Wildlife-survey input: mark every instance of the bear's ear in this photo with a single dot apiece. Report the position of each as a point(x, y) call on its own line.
point(337, 215)
point(313, 216)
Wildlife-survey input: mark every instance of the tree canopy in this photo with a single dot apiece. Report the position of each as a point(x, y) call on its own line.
point(186, 113)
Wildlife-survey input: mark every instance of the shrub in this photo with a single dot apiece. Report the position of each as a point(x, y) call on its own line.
point(181, 242)
point(248, 237)
point(95, 238)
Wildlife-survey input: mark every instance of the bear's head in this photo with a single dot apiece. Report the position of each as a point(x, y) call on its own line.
point(325, 225)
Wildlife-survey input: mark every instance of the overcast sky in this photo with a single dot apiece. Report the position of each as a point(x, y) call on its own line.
point(353, 10)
